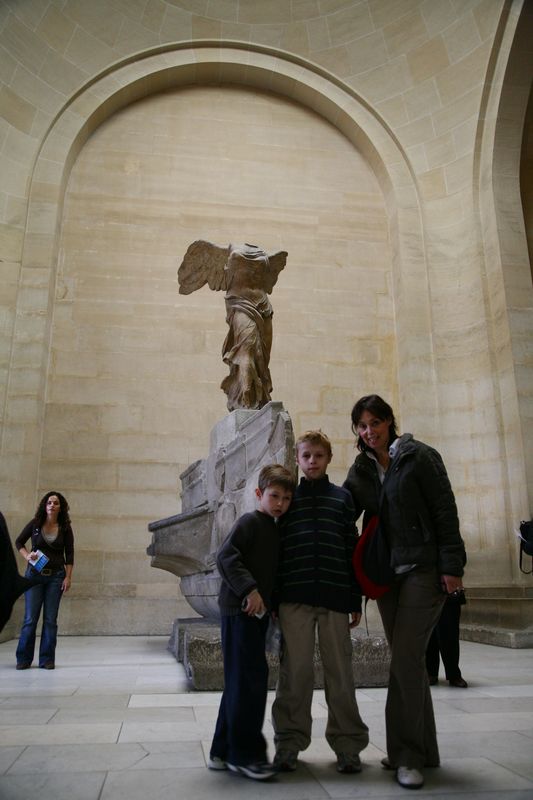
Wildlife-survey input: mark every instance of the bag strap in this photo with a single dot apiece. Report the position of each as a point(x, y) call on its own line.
point(525, 571)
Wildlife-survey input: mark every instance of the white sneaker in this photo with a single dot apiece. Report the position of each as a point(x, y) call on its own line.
point(409, 778)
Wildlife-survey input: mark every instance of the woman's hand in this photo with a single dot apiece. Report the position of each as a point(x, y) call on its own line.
point(65, 586)
point(451, 583)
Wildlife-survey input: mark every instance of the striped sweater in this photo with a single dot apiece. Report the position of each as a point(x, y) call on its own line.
point(317, 544)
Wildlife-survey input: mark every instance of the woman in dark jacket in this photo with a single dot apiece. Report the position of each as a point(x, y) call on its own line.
point(50, 532)
point(404, 481)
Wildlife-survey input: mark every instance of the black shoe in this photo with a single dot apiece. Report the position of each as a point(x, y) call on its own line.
point(285, 760)
point(24, 665)
point(433, 680)
point(48, 665)
point(257, 772)
point(459, 683)
point(348, 763)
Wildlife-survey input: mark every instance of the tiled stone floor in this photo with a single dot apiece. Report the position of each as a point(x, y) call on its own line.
point(116, 720)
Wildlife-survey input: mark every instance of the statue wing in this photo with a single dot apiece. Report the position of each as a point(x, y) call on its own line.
point(276, 262)
point(203, 263)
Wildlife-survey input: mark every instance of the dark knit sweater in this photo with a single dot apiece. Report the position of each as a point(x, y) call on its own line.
point(318, 539)
point(248, 560)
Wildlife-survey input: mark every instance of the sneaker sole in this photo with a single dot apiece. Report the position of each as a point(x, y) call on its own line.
point(409, 785)
point(255, 776)
point(217, 767)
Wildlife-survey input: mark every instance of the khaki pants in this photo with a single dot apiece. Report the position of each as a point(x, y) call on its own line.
point(409, 612)
point(291, 712)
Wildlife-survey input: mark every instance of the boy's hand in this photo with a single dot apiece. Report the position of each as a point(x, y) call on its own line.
point(253, 604)
point(355, 618)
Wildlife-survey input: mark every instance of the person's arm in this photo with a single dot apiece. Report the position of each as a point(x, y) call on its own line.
point(69, 559)
point(233, 570)
point(350, 538)
point(20, 542)
point(67, 580)
point(350, 485)
point(439, 496)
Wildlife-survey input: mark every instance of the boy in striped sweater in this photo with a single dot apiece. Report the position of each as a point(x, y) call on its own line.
point(317, 593)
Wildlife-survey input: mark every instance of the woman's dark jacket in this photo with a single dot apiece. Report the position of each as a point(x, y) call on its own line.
point(60, 551)
point(418, 508)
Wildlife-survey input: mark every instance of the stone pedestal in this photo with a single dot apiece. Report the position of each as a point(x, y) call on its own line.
point(196, 643)
point(216, 491)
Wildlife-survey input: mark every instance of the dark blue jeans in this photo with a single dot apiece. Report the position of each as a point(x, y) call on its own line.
point(238, 735)
point(45, 595)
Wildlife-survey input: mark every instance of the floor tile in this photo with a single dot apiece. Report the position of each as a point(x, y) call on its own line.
point(58, 734)
point(78, 758)
point(117, 719)
point(86, 786)
point(200, 784)
point(8, 755)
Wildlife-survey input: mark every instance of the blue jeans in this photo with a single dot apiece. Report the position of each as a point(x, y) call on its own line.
point(46, 595)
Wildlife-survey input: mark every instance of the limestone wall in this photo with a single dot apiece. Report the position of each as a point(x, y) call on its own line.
point(367, 139)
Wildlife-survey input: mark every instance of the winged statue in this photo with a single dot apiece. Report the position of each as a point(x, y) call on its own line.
point(247, 274)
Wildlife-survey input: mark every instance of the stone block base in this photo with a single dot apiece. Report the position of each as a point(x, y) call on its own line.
point(196, 643)
point(499, 615)
point(501, 637)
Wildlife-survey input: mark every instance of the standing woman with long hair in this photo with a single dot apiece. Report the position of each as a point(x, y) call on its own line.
point(50, 532)
point(404, 482)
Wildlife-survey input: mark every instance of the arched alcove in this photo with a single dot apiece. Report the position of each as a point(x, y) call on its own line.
point(413, 383)
point(289, 77)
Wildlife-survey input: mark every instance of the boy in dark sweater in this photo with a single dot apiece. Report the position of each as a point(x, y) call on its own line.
point(317, 592)
point(247, 562)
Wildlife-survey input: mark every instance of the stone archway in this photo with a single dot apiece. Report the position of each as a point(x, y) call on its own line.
point(199, 66)
point(296, 80)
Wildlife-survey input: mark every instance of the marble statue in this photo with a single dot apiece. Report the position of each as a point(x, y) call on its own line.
point(247, 274)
